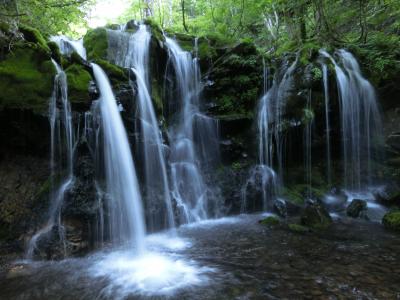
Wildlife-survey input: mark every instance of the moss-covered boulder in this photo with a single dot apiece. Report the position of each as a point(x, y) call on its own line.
point(34, 36)
point(392, 220)
point(78, 84)
point(235, 81)
point(27, 76)
point(315, 216)
point(96, 43)
point(115, 73)
point(270, 221)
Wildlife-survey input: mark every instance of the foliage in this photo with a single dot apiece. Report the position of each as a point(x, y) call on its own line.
point(48, 16)
point(369, 28)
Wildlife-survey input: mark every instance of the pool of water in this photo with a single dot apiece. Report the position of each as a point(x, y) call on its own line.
point(229, 258)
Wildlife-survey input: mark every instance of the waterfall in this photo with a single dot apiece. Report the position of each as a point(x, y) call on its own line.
point(271, 139)
point(132, 51)
point(194, 140)
point(61, 159)
point(327, 124)
point(307, 142)
point(262, 175)
point(359, 117)
point(125, 203)
point(67, 46)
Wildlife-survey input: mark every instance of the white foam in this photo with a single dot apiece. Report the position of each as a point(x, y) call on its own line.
point(149, 274)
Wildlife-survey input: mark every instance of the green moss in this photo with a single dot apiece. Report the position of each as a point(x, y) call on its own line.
point(293, 195)
point(206, 51)
point(26, 80)
point(156, 30)
point(156, 95)
point(298, 228)
point(316, 74)
point(33, 35)
point(55, 52)
point(78, 83)
point(237, 166)
point(308, 116)
point(115, 73)
point(96, 43)
point(392, 220)
point(315, 216)
point(270, 221)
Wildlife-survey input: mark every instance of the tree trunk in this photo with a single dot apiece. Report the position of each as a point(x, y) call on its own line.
point(183, 15)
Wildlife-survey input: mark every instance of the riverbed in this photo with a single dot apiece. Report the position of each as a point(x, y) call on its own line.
point(228, 258)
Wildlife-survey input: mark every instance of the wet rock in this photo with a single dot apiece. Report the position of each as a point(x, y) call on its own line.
point(388, 195)
point(357, 208)
point(315, 216)
point(393, 141)
point(270, 221)
point(392, 220)
point(132, 25)
point(279, 207)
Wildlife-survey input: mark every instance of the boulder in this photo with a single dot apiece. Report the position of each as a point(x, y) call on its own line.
point(270, 221)
point(279, 207)
point(315, 216)
point(357, 208)
point(392, 220)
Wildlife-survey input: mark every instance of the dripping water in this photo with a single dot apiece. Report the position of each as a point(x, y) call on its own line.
point(62, 150)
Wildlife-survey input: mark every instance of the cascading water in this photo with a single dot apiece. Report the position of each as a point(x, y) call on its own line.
point(271, 140)
point(325, 79)
point(67, 46)
point(125, 203)
point(61, 159)
point(132, 51)
point(307, 143)
point(194, 140)
point(262, 175)
point(360, 120)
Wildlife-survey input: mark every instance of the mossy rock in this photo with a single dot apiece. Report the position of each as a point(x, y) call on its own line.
point(156, 30)
point(298, 228)
point(55, 52)
point(96, 43)
point(26, 80)
point(315, 216)
point(34, 36)
point(270, 221)
point(78, 83)
point(115, 73)
point(392, 220)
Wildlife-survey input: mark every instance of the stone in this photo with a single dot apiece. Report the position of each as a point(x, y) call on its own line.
point(315, 216)
point(270, 221)
point(392, 220)
point(357, 208)
point(279, 207)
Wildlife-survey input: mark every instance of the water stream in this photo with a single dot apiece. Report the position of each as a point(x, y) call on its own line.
point(61, 161)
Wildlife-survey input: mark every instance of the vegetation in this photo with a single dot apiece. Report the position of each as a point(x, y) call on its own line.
point(392, 220)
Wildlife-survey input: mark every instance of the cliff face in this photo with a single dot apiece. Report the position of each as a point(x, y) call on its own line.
point(233, 80)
